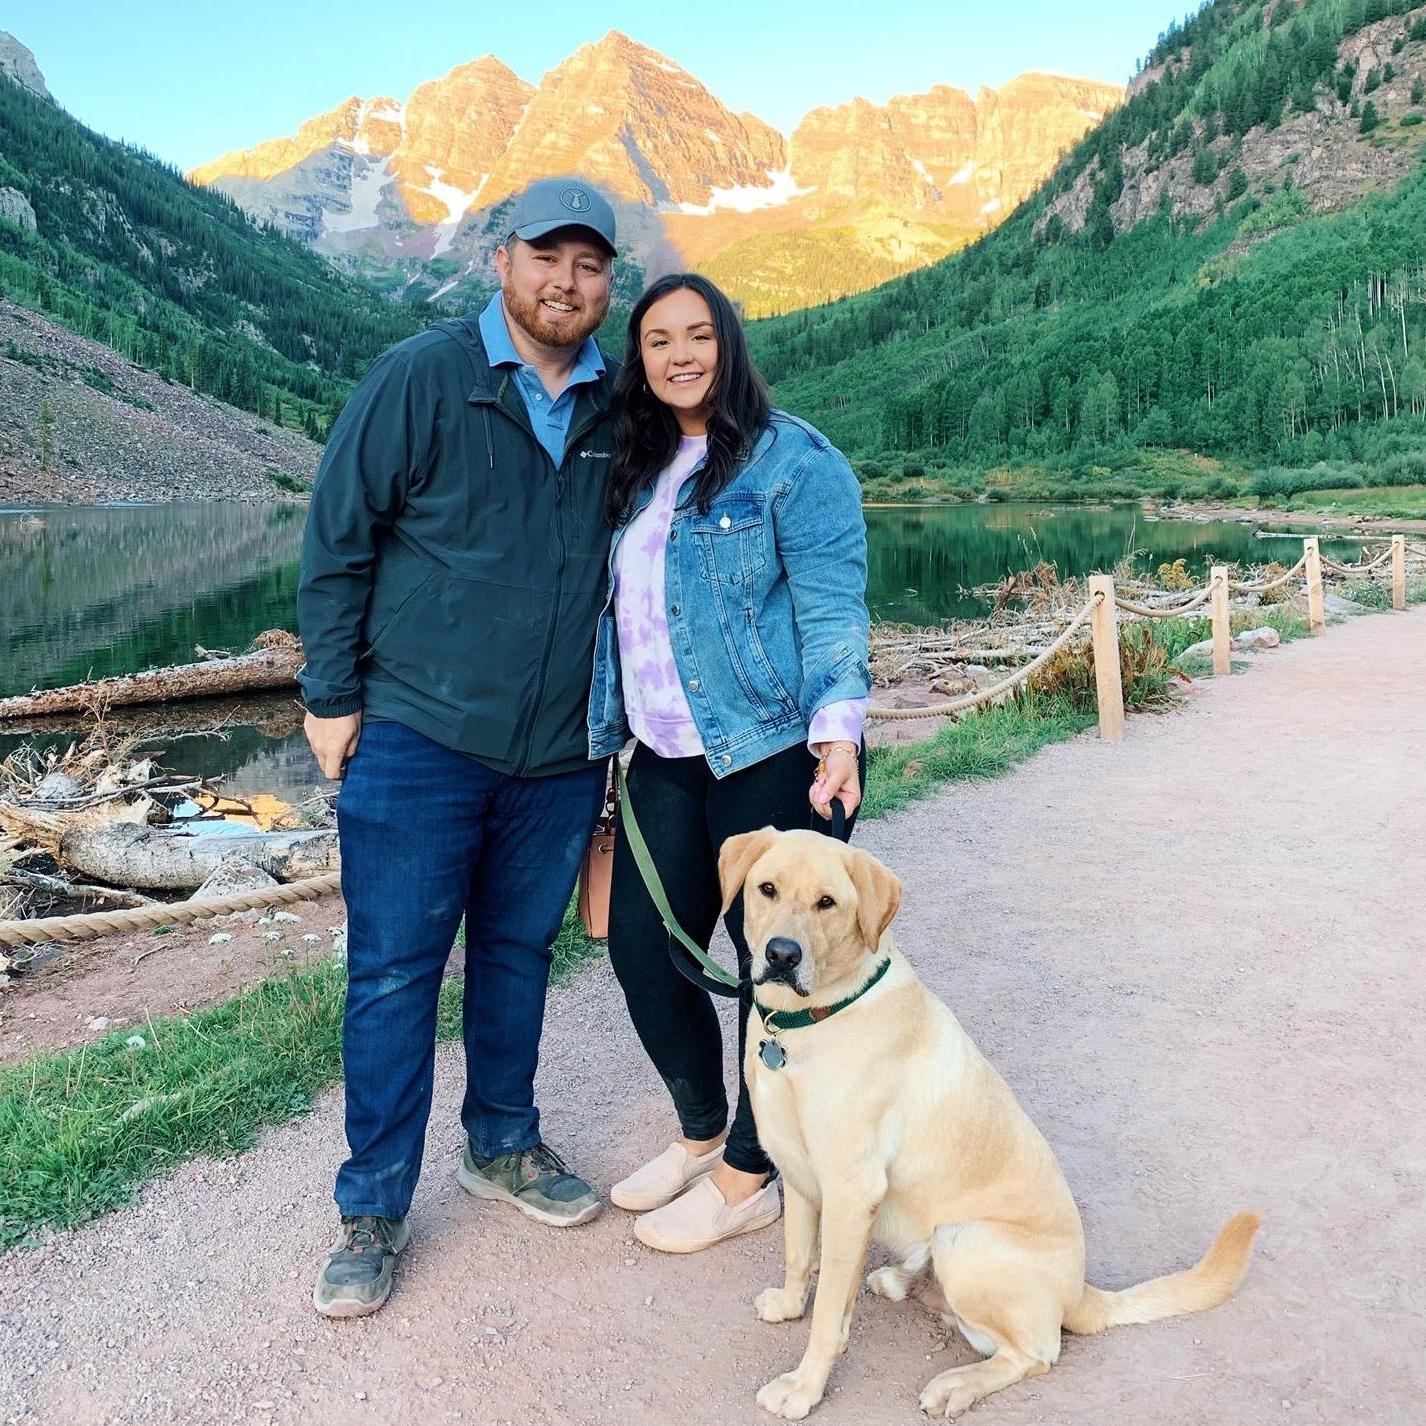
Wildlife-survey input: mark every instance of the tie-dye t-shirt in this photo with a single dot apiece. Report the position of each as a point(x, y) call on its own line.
point(657, 707)
point(654, 700)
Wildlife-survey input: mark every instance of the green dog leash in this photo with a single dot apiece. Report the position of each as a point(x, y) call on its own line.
point(722, 982)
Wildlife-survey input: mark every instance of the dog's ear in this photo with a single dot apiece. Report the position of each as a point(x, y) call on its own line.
point(736, 859)
point(878, 895)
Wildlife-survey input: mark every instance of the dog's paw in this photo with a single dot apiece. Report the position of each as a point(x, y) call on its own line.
point(777, 1304)
point(948, 1395)
point(889, 1283)
point(787, 1397)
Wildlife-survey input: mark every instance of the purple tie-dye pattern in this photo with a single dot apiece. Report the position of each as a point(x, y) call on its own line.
point(837, 723)
point(653, 692)
point(654, 698)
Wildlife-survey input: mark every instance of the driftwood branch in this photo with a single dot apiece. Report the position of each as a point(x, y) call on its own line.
point(57, 886)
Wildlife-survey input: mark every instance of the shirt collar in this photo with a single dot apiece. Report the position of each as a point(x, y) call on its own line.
point(500, 349)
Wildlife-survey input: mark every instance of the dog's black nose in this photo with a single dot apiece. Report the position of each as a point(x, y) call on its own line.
point(783, 954)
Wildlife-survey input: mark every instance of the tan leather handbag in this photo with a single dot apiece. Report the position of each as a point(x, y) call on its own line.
point(596, 871)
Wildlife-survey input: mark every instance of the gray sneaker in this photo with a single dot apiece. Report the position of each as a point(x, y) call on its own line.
point(535, 1181)
point(356, 1278)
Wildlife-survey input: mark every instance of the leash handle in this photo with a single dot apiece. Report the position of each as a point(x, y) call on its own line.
point(835, 826)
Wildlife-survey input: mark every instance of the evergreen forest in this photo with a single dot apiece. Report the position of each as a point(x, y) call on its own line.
point(1261, 331)
point(178, 279)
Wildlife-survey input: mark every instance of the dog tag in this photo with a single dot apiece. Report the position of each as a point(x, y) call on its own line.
point(772, 1054)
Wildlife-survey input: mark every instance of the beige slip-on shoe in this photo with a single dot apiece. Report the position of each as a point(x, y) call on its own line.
point(662, 1179)
point(702, 1217)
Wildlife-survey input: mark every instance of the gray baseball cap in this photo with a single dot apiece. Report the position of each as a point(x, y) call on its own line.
point(555, 203)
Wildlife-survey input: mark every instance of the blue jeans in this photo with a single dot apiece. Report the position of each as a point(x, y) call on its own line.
point(428, 836)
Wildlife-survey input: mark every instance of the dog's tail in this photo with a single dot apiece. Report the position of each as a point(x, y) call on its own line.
point(1211, 1280)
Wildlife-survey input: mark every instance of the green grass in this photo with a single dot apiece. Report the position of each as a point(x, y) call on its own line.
point(83, 1130)
point(985, 744)
point(1394, 502)
point(80, 1131)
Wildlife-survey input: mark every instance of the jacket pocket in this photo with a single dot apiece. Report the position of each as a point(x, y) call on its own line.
point(730, 537)
point(387, 618)
point(775, 689)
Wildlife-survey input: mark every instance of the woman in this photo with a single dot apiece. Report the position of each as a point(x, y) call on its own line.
point(734, 648)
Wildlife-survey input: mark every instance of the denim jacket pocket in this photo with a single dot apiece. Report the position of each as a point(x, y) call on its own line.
point(730, 538)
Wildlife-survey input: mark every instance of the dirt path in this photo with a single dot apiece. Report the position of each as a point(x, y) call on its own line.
point(1197, 957)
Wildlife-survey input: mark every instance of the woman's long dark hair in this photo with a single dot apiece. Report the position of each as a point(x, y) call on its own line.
point(645, 428)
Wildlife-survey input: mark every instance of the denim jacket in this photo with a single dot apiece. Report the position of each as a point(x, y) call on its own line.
point(766, 602)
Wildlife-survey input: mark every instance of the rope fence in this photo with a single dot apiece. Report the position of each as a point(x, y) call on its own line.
point(175, 913)
point(1104, 603)
point(1099, 610)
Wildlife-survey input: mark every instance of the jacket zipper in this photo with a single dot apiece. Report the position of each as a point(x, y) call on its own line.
point(528, 733)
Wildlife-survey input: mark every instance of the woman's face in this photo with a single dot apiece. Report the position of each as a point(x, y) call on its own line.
point(680, 353)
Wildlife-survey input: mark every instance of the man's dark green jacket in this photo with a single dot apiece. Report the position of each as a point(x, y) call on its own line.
point(452, 578)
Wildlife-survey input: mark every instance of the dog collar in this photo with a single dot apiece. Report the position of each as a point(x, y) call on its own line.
point(775, 1021)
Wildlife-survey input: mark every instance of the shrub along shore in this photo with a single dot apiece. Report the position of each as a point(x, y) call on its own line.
point(1394, 488)
point(81, 1131)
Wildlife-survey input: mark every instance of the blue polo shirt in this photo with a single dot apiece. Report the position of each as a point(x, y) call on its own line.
point(549, 415)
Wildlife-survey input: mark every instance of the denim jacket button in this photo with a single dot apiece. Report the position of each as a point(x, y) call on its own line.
point(727, 760)
point(673, 534)
point(693, 685)
point(676, 610)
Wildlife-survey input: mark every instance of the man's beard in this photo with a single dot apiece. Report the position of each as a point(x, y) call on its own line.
point(531, 316)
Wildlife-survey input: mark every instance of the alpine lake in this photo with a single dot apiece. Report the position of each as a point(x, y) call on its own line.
point(90, 591)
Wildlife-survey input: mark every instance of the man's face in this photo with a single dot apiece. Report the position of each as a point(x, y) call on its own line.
point(557, 287)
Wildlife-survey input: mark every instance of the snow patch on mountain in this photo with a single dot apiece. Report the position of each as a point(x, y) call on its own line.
point(368, 182)
point(781, 188)
point(457, 201)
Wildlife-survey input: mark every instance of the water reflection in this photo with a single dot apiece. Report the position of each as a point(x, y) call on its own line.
point(114, 589)
point(91, 591)
point(923, 563)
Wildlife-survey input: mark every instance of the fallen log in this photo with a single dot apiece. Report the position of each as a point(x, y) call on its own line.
point(274, 665)
point(173, 858)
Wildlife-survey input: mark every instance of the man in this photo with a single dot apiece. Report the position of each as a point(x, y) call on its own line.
point(453, 572)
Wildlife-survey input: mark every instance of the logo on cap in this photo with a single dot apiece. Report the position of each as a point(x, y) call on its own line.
point(575, 199)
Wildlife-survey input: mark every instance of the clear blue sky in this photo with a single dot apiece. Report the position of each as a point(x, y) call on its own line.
point(190, 79)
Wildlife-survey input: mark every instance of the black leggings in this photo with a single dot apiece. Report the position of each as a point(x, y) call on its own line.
point(686, 814)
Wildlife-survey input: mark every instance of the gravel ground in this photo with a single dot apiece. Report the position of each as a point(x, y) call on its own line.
point(1193, 957)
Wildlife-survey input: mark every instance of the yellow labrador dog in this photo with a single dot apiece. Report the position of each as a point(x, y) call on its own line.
point(888, 1123)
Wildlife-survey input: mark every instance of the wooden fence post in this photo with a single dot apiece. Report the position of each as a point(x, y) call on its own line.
point(1314, 586)
point(1398, 571)
point(1104, 625)
point(1222, 634)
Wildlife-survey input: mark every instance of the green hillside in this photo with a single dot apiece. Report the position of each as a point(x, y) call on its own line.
point(176, 278)
point(1239, 317)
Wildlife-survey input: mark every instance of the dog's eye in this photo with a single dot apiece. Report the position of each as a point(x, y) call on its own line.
point(768, 890)
point(825, 903)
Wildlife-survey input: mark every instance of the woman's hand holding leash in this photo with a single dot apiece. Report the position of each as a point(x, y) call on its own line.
point(839, 777)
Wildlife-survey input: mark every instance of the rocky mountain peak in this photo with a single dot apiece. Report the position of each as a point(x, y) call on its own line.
point(422, 187)
point(968, 161)
point(18, 63)
point(633, 121)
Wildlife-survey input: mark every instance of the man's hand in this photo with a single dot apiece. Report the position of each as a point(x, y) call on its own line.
point(333, 740)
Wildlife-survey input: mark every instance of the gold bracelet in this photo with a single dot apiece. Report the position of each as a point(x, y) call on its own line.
point(829, 749)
